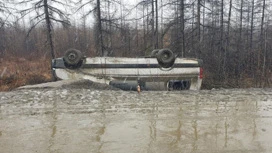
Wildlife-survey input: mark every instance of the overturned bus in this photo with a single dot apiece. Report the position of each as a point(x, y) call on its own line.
point(162, 70)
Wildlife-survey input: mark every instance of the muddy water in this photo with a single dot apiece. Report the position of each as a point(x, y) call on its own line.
point(83, 120)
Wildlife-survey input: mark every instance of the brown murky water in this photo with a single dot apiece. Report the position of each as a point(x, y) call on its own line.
point(83, 120)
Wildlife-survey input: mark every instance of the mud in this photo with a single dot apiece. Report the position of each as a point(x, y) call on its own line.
point(88, 120)
point(71, 84)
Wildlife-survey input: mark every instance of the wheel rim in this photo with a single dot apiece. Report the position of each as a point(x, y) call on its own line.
point(72, 56)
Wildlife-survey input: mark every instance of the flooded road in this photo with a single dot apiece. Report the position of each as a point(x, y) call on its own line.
point(96, 121)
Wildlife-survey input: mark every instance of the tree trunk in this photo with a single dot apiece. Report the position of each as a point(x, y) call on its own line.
point(251, 56)
point(198, 28)
point(144, 27)
point(182, 24)
point(193, 38)
point(239, 46)
point(263, 48)
point(221, 49)
point(162, 26)
point(49, 36)
point(137, 33)
point(100, 37)
point(152, 25)
point(109, 45)
point(157, 25)
point(49, 30)
point(228, 42)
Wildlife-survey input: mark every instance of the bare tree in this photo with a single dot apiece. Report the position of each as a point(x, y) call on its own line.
point(153, 24)
point(225, 63)
point(5, 14)
point(263, 40)
point(48, 12)
point(239, 44)
point(221, 46)
point(106, 22)
point(2, 9)
point(251, 61)
point(162, 26)
point(157, 25)
point(182, 27)
point(198, 27)
point(99, 28)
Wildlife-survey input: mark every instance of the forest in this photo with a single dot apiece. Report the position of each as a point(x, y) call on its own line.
point(232, 37)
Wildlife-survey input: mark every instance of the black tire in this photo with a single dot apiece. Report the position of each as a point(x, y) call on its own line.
point(73, 58)
point(154, 53)
point(166, 58)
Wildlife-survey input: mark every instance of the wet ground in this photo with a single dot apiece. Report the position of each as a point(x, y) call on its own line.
point(88, 120)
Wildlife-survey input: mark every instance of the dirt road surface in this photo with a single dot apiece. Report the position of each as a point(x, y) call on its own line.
point(74, 120)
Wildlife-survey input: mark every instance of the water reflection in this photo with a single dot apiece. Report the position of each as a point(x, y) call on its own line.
point(53, 126)
point(101, 129)
point(195, 136)
point(231, 125)
point(226, 132)
point(153, 126)
point(173, 122)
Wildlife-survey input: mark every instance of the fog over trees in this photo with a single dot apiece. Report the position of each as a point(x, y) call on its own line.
point(233, 37)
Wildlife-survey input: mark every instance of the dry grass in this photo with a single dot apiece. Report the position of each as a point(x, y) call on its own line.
point(16, 71)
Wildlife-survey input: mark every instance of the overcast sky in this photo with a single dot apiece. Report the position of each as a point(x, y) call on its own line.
point(75, 17)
